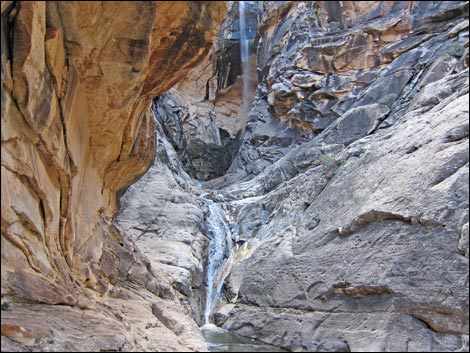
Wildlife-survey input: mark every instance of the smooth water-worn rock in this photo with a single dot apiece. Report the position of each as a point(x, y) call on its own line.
point(220, 340)
point(169, 230)
point(374, 248)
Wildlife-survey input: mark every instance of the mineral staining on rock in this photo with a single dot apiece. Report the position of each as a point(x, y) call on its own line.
point(203, 116)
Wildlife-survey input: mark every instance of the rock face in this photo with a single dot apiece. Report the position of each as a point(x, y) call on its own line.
point(354, 203)
point(203, 115)
point(328, 63)
point(162, 213)
point(77, 82)
point(197, 137)
point(347, 182)
point(350, 187)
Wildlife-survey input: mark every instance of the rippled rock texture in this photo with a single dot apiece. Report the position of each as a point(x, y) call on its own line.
point(77, 82)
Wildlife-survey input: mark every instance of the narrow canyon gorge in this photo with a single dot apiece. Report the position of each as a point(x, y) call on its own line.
point(235, 176)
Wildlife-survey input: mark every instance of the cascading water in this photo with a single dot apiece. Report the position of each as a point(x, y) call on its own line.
point(220, 254)
point(219, 251)
point(244, 55)
point(220, 259)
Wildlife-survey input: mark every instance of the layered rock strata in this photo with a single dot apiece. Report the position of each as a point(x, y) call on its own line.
point(77, 82)
point(322, 60)
point(200, 125)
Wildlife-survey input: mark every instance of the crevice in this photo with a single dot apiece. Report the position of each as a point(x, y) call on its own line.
point(9, 22)
point(42, 212)
point(32, 185)
point(153, 221)
point(449, 175)
point(18, 243)
point(26, 222)
point(374, 216)
point(457, 134)
point(409, 310)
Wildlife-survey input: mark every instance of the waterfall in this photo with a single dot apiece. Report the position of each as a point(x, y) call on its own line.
point(244, 55)
point(220, 255)
point(219, 252)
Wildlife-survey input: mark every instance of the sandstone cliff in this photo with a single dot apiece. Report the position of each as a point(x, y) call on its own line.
point(77, 82)
point(349, 191)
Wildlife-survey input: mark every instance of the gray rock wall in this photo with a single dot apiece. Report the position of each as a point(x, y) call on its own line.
point(350, 188)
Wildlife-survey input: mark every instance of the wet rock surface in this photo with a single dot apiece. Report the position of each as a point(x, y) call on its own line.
point(203, 116)
point(220, 340)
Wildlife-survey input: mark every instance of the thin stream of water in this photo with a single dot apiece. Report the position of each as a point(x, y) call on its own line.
point(244, 55)
point(220, 254)
point(219, 251)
